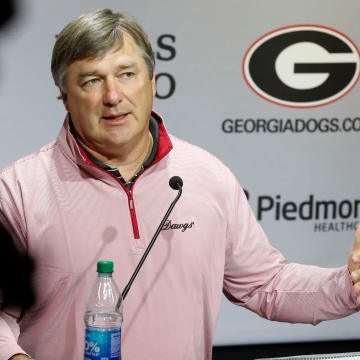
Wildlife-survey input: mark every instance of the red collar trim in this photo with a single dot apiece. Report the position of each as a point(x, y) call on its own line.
point(164, 145)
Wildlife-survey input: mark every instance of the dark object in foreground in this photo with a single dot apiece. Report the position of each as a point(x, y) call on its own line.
point(7, 11)
point(257, 351)
point(16, 272)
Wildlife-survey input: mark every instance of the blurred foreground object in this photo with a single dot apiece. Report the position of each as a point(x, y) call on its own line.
point(7, 11)
point(15, 274)
point(15, 269)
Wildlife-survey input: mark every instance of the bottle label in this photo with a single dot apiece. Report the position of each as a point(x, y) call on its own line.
point(102, 344)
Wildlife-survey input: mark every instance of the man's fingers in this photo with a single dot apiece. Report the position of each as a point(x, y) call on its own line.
point(356, 247)
point(355, 276)
point(354, 265)
point(354, 256)
point(357, 291)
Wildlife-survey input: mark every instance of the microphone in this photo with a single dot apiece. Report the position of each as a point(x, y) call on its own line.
point(175, 183)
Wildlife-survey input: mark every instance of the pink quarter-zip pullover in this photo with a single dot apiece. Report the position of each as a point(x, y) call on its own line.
point(68, 214)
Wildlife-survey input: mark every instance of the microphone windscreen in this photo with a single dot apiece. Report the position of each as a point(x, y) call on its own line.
point(175, 182)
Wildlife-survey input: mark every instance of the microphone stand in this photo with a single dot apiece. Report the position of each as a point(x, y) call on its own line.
point(177, 185)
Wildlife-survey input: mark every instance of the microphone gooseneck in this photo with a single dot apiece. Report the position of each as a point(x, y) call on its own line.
point(175, 183)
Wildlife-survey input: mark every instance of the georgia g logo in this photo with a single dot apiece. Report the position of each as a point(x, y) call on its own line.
point(302, 66)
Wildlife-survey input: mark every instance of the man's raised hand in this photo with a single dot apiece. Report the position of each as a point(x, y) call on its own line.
point(354, 263)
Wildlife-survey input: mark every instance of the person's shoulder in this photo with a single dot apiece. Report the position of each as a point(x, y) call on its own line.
point(27, 164)
point(198, 159)
point(186, 149)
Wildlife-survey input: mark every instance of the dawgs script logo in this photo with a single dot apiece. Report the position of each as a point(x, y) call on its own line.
point(183, 227)
point(302, 66)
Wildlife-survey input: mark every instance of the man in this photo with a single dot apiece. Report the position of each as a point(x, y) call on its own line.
point(100, 190)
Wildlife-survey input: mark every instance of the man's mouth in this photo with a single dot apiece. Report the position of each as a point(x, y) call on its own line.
point(115, 116)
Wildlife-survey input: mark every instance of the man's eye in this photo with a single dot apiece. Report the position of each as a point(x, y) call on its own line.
point(94, 81)
point(127, 75)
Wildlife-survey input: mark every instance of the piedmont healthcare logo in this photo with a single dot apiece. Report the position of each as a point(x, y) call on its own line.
point(325, 215)
point(302, 66)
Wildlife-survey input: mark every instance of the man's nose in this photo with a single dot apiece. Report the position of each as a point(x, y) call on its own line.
point(112, 92)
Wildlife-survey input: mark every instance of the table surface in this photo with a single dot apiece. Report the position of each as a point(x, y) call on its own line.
point(336, 356)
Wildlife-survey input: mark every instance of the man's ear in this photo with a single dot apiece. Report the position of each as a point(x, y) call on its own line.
point(64, 98)
point(153, 84)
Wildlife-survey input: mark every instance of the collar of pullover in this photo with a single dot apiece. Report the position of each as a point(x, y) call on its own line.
point(76, 153)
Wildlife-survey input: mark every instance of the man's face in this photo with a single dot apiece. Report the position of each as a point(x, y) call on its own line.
point(110, 99)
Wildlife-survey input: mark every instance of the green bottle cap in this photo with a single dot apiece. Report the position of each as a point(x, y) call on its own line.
point(105, 266)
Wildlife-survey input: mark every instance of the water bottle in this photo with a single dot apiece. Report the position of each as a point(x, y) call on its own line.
point(102, 319)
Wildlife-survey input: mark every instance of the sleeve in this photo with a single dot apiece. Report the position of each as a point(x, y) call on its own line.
point(9, 328)
point(258, 277)
point(9, 333)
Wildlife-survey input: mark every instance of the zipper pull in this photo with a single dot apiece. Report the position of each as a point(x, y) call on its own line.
point(131, 201)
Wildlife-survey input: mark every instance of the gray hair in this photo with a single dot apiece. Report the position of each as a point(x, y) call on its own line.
point(91, 36)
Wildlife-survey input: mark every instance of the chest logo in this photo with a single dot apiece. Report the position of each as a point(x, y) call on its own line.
point(183, 227)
